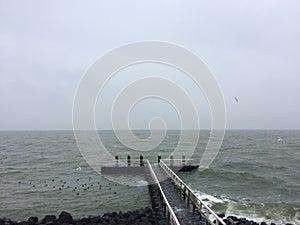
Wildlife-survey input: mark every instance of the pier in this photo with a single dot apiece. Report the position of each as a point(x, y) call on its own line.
point(173, 202)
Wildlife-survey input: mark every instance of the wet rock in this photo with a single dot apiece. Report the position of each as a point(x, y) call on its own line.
point(32, 220)
point(126, 215)
point(84, 221)
point(48, 218)
point(221, 215)
point(96, 219)
point(233, 218)
point(65, 217)
point(229, 221)
point(22, 223)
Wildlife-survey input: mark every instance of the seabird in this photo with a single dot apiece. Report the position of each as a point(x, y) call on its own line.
point(279, 139)
point(236, 99)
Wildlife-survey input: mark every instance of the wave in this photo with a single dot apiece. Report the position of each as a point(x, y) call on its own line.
point(10, 171)
point(278, 213)
point(235, 175)
point(230, 148)
point(209, 199)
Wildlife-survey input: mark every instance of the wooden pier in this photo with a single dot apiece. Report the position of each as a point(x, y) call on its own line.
point(172, 200)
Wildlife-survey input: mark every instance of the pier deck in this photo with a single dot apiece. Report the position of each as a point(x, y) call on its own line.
point(180, 204)
point(182, 210)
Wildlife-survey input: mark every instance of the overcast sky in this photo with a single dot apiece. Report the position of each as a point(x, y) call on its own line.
point(252, 48)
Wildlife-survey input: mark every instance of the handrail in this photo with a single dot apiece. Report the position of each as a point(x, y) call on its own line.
point(197, 202)
point(172, 217)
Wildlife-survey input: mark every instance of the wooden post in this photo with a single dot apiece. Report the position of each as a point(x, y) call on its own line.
point(183, 159)
point(141, 160)
point(159, 158)
point(200, 211)
point(128, 160)
point(169, 216)
point(117, 160)
point(171, 160)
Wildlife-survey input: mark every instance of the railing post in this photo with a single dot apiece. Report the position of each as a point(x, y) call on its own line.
point(141, 160)
point(128, 160)
point(200, 211)
point(171, 160)
point(117, 160)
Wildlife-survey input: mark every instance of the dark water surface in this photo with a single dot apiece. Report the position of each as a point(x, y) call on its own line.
point(255, 175)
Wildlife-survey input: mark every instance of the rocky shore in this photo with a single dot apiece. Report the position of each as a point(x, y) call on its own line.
point(138, 217)
point(145, 216)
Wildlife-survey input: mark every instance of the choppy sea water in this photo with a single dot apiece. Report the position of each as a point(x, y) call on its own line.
point(255, 175)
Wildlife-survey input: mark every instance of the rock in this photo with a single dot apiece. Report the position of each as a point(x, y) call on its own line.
point(234, 218)
point(22, 223)
point(85, 221)
point(48, 218)
point(229, 221)
point(95, 219)
point(221, 215)
point(126, 215)
point(138, 217)
point(65, 217)
point(247, 223)
point(32, 220)
point(6, 220)
point(263, 223)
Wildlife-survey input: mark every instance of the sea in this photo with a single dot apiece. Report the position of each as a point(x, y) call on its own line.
point(255, 175)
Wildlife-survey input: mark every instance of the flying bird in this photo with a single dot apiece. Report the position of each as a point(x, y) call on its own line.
point(236, 99)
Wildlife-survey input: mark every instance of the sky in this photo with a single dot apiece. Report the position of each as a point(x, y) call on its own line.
point(252, 47)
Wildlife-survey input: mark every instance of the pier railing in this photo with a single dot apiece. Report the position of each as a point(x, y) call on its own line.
point(168, 210)
point(204, 211)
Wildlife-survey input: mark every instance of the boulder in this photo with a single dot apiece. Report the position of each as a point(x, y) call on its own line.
point(21, 223)
point(96, 219)
point(234, 218)
point(65, 217)
point(221, 215)
point(48, 218)
point(32, 220)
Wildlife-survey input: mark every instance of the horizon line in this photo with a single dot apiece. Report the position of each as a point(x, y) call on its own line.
point(140, 129)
